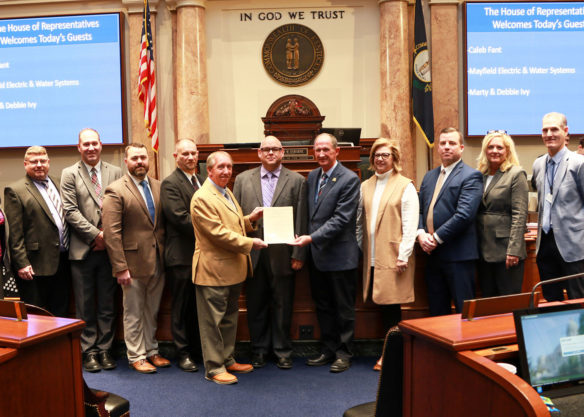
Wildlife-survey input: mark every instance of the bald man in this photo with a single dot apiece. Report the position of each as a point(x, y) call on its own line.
point(270, 292)
point(176, 193)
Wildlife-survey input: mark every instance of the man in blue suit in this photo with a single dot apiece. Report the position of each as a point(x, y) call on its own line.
point(559, 177)
point(449, 200)
point(333, 197)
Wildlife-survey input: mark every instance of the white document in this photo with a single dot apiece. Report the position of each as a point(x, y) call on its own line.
point(278, 225)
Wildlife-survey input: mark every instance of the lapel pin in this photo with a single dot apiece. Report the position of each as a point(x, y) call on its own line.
point(335, 179)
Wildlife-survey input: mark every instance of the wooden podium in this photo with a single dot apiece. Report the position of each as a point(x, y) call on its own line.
point(447, 372)
point(40, 367)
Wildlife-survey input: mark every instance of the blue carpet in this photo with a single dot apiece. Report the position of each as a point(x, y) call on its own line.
point(271, 392)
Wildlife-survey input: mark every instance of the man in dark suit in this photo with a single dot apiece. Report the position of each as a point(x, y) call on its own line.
point(133, 229)
point(39, 235)
point(176, 193)
point(94, 287)
point(333, 197)
point(449, 199)
point(559, 177)
point(270, 292)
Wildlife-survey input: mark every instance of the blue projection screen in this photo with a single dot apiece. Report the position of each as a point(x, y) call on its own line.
point(523, 60)
point(59, 75)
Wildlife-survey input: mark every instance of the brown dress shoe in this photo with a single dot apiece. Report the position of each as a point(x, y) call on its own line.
point(242, 368)
point(224, 378)
point(143, 367)
point(159, 361)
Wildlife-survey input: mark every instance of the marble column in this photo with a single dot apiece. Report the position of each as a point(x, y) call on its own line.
point(192, 99)
point(445, 67)
point(396, 117)
point(138, 132)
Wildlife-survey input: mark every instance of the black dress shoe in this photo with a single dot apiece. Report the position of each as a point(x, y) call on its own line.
point(90, 363)
point(187, 364)
point(107, 361)
point(258, 360)
point(320, 360)
point(340, 365)
point(284, 363)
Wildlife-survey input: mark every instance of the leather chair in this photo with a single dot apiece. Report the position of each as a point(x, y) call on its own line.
point(97, 403)
point(105, 404)
point(390, 389)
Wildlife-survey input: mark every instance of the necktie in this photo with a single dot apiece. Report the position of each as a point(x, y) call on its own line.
point(149, 201)
point(323, 181)
point(268, 189)
point(96, 185)
point(194, 181)
point(550, 173)
point(430, 218)
point(56, 201)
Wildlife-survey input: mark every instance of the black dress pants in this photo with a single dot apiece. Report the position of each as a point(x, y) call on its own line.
point(334, 295)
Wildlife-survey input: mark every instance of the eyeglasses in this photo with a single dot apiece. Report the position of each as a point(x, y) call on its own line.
point(496, 131)
point(268, 150)
point(382, 155)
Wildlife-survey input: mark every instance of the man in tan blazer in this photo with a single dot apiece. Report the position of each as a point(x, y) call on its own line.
point(134, 237)
point(94, 288)
point(221, 263)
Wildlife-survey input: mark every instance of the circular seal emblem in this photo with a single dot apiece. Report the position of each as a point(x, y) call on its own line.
point(292, 54)
point(422, 66)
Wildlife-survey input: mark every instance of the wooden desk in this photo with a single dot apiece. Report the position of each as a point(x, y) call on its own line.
point(40, 367)
point(444, 376)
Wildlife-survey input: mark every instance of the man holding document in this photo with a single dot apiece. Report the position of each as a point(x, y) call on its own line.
point(270, 292)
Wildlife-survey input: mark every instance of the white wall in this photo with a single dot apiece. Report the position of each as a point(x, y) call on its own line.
point(346, 90)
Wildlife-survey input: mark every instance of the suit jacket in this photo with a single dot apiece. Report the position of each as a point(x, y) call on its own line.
point(455, 211)
point(502, 216)
point(176, 194)
point(332, 220)
point(34, 236)
point(290, 191)
point(567, 204)
point(222, 249)
point(133, 241)
point(81, 205)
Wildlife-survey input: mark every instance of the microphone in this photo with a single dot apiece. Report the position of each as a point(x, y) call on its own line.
point(549, 281)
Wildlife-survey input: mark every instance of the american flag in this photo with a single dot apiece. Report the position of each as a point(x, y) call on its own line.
point(147, 79)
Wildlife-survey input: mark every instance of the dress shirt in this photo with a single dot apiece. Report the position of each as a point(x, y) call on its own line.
point(139, 186)
point(557, 158)
point(97, 168)
point(269, 179)
point(56, 215)
point(329, 174)
point(223, 192)
point(190, 177)
point(447, 171)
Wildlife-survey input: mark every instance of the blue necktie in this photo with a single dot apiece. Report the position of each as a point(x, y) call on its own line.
point(149, 201)
point(550, 173)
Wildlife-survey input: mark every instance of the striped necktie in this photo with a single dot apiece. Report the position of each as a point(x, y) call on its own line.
point(97, 186)
point(56, 202)
point(323, 181)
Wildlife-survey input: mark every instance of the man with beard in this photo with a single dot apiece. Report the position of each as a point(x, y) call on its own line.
point(134, 237)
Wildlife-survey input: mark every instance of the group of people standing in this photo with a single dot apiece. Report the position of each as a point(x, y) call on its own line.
point(100, 227)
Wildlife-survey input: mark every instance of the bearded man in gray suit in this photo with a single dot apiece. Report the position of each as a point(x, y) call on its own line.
point(559, 178)
point(270, 292)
